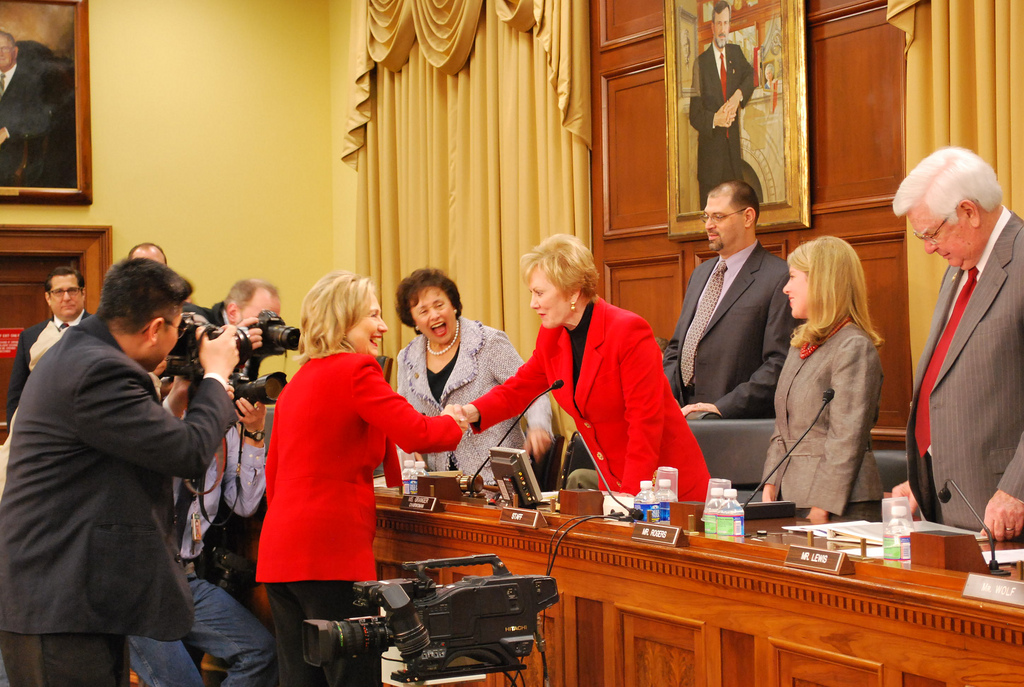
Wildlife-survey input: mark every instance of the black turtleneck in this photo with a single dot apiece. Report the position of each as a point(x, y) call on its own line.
point(578, 339)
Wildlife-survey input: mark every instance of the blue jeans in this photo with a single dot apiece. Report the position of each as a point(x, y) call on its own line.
point(222, 628)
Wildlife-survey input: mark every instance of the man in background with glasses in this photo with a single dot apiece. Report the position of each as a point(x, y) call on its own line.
point(733, 333)
point(64, 291)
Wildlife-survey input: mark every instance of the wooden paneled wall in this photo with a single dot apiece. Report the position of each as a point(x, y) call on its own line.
point(855, 83)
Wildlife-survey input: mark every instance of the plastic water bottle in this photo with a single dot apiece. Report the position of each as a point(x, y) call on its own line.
point(665, 497)
point(896, 537)
point(419, 471)
point(646, 502)
point(710, 517)
point(408, 479)
point(730, 516)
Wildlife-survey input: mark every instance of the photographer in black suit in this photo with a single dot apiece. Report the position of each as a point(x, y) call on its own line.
point(88, 550)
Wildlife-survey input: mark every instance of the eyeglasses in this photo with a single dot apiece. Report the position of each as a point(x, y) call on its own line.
point(718, 217)
point(59, 293)
point(6, 49)
point(930, 236)
point(182, 327)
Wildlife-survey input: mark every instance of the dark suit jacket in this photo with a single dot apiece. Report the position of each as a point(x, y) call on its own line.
point(622, 405)
point(977, 427)
point(19, 373)
point(26, 116)
point(745, 344)
point(834, 464)
point(87, 543)
point(718, 155)
point(213, 315)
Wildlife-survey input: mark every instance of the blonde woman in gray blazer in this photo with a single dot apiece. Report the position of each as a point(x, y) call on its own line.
point(832, 471)
point(458, 360)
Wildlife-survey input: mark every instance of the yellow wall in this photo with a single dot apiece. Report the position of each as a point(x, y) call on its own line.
point(212, 136)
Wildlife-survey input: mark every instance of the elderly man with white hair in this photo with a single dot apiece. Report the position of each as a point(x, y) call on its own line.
point(966, 423)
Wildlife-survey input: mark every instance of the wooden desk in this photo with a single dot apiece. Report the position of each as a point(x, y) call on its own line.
point(723, 614)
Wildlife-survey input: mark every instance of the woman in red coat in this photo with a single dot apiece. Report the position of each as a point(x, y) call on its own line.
point(335, 422)
point(615, 388)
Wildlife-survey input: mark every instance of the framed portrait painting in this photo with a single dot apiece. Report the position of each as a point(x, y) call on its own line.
point(735, 74)
point(45, 145)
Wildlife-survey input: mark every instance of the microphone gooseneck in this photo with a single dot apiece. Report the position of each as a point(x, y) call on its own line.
point(826, 398)
point(993, 565)
point(634, 513)
point(557, 384)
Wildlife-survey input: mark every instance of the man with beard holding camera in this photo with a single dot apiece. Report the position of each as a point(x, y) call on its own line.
point(87, 550)
point(222, 626)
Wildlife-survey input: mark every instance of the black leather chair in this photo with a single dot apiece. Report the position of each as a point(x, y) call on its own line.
point(734, 449)
point(892, 467)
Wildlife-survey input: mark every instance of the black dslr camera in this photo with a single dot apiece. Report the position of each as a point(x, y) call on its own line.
point(183, 360)
point(476, 625)
point(277, 336)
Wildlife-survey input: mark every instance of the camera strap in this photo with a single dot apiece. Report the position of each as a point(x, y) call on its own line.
point(222, 461)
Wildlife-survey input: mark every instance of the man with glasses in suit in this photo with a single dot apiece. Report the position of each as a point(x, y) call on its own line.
point(64, 291)
point(965, 418)
point(733, 333)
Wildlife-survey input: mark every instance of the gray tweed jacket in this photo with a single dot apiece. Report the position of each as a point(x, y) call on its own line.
point(486, 359)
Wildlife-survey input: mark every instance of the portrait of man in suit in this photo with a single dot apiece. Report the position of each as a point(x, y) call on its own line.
point(731, 115)
point(724, 82)
point(38, 137)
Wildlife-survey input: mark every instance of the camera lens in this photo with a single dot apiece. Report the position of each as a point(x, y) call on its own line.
point(363, 635)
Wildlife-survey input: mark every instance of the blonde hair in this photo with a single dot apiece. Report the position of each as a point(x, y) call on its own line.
point(566, 262)
point(835, 289)
point(333, 306)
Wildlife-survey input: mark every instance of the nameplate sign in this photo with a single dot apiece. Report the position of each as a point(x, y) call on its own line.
point(422, 503)
point(524, 517)
point(662, 535)
point(819, 560)
point(989, 588)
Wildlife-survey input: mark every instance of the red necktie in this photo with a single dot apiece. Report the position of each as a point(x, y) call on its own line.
point(923, 430)
point(721, 73)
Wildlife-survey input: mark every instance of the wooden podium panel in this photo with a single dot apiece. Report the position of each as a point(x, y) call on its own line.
point(721, 613)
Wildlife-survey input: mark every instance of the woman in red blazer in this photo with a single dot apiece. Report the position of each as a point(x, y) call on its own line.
point(334, 423)
point(615, 388)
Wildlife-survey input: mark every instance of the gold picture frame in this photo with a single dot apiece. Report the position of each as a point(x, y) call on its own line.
point(771, 122)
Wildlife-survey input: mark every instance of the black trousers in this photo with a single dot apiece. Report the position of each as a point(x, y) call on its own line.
point(69, 660)
point(293, 602)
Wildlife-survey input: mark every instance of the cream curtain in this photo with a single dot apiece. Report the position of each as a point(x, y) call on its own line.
point(965, 67)
point(470, 131)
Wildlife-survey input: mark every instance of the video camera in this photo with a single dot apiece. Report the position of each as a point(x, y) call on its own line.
point(476, 625)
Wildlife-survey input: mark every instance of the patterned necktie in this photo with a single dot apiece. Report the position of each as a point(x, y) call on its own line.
point(2, 77)
point(63, 326)
point(923, 429)
point(705, 309)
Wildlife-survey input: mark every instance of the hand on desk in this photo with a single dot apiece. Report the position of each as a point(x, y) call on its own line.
point(769, 493)
point(1004, 515)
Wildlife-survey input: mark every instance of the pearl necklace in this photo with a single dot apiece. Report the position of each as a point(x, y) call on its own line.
point(447, 348)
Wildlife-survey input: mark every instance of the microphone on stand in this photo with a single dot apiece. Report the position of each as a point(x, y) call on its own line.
point(993, 564)
point(557, 384)
point(633, 513)
point(782, 509)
